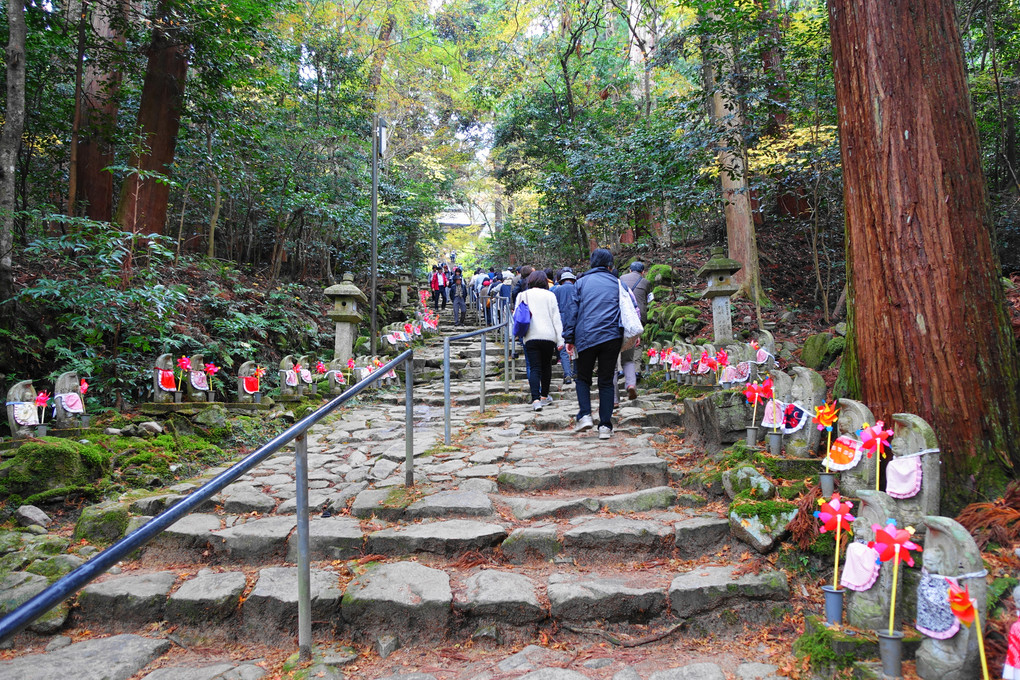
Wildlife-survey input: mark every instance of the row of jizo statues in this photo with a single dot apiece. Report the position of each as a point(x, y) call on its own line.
point(296, 377)
point(909, 495)
point(63, 409)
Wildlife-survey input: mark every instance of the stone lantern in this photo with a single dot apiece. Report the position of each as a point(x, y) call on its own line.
point(405, 281)
point(718, 276)
point(345, 296)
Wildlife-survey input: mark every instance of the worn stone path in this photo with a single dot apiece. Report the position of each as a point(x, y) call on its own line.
point(520, 529)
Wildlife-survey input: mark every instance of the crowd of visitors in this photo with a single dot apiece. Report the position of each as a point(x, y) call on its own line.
point(575, 319)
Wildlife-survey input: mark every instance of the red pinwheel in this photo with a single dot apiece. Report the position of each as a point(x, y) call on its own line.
point(350, 363)
point(708, 361)
point(260, 371)
point(825, 416)
point(298, 367)
point(212, 369)
point(320, 367)
point(408, 329)
point(754, 393)
point(83, 387)
point(184, 363)
point(723, 357)
point(834, 511)
point(652, 352)
point(874, 438)
point(892, 543)
point(766, 388)
point(42, 399)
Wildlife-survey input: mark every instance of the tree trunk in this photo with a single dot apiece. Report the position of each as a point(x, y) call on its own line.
point(378, 59)
point(931, 334)
point(143, 200)
point(10, 144)
point(99, 106)
point(740, 233)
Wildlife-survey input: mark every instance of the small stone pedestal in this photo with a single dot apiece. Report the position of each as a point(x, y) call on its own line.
point(718, 276)
point(405, 281)
point(345, 296)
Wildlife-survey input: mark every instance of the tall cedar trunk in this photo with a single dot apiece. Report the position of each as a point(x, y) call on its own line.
point(10, 144)
point(741, 238)
point(99, 107)
point(143, 201)
point(931, 334)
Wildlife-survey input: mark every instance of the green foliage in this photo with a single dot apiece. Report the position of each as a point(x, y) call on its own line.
point(46, 465)
point(818, 646)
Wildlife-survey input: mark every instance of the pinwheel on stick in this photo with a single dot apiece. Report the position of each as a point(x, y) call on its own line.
point(893, 544)
point(965, 610)
point(825, 418)
point(873, 438)
point(834, 515)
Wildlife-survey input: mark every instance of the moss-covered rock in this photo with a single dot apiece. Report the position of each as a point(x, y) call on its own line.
point(42, 466)
point(662, 292)
point(659, 273)
point(813, 353)
point(688, 326)
point(102, 524)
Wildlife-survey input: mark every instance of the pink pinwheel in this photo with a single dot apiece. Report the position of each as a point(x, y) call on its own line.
point(723, 357)
point(42, 399)
point(874, 438)
point(708, 361)
point(350, 363)
point(834, 511)
point(212, 369)
point(766, 388)
point(892, 543)
point(83, 387)
point(184, 363)
point(320, 367)
point(754, 393)
point(408, 329)
point(652, 352)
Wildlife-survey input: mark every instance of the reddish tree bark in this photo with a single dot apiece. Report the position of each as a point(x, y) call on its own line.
point(10, 146)
point(930, 332)
point(143, 201)
point(99, 106)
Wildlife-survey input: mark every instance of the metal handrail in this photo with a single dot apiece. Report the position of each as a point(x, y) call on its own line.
point(503, 326)
point(81, 576)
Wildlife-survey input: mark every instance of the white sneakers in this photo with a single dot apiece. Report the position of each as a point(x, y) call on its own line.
point(537, 405)
point(583, 424)
point(547, 400)
point(605, 432)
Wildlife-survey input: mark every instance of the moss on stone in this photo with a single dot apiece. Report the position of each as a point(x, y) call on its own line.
point(659, 272)
point(41, 466)
point(102, 524)
point(817, 645)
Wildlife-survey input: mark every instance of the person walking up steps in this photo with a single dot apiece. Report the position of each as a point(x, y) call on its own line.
point(565, 297)
point(459, 293)
point(544, 336)
point(638, 284)
point(594, 327)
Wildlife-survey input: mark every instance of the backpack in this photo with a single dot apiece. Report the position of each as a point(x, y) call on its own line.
point(522, 319)
point(630, 319)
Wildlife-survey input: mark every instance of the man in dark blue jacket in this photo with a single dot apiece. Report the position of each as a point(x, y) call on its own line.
point(594, 327)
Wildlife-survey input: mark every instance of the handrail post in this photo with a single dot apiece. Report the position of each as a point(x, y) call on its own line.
point(507, 334)
point(446, 390)
point(481, 389)
point(304, 563)
point(409, 421)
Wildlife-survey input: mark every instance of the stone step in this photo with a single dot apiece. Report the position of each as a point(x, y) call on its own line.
point(637, 471)
point(418, 603)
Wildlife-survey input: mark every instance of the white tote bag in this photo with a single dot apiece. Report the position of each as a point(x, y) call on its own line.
point(629, 318)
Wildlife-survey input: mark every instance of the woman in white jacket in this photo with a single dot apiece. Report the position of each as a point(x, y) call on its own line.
point(544, 336)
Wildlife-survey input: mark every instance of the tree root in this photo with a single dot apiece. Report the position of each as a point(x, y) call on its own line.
point(624, 640)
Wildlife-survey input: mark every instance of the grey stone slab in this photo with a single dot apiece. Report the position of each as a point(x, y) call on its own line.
point(273, 602)
point(697, 536)
point(547, 420)
point(317, 499)
point(641, 501)
point(191, 532)
point(443, 537)
point(476, 471)
point(383, 469)
point(532, 657)
point(372, 502)
point(451, 503)
point(761, 534)
point(554, 674)
point(528, 479)
point(213, 672)
point(405, 599)
point(708, 588)
point(135, 599)
point(641, 471)
point(627, 673)
point(500, 596)
point(487, 456)
point(535, 508)
point(18, 588)
point(255, 540)
point(619, 534)
point(114, 658)
point(527, 543)
point(479, 485)
point(244, 498)
point(207, 597)
point(330, 538)
point(694, 671)
point(757, 671)
point(607, 599)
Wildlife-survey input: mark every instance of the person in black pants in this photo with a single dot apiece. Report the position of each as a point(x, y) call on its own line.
point(544, 336)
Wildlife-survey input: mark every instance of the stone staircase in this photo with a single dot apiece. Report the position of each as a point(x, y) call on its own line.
point(519, 531)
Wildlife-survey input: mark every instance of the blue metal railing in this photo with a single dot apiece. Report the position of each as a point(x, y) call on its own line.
point(100, 563)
